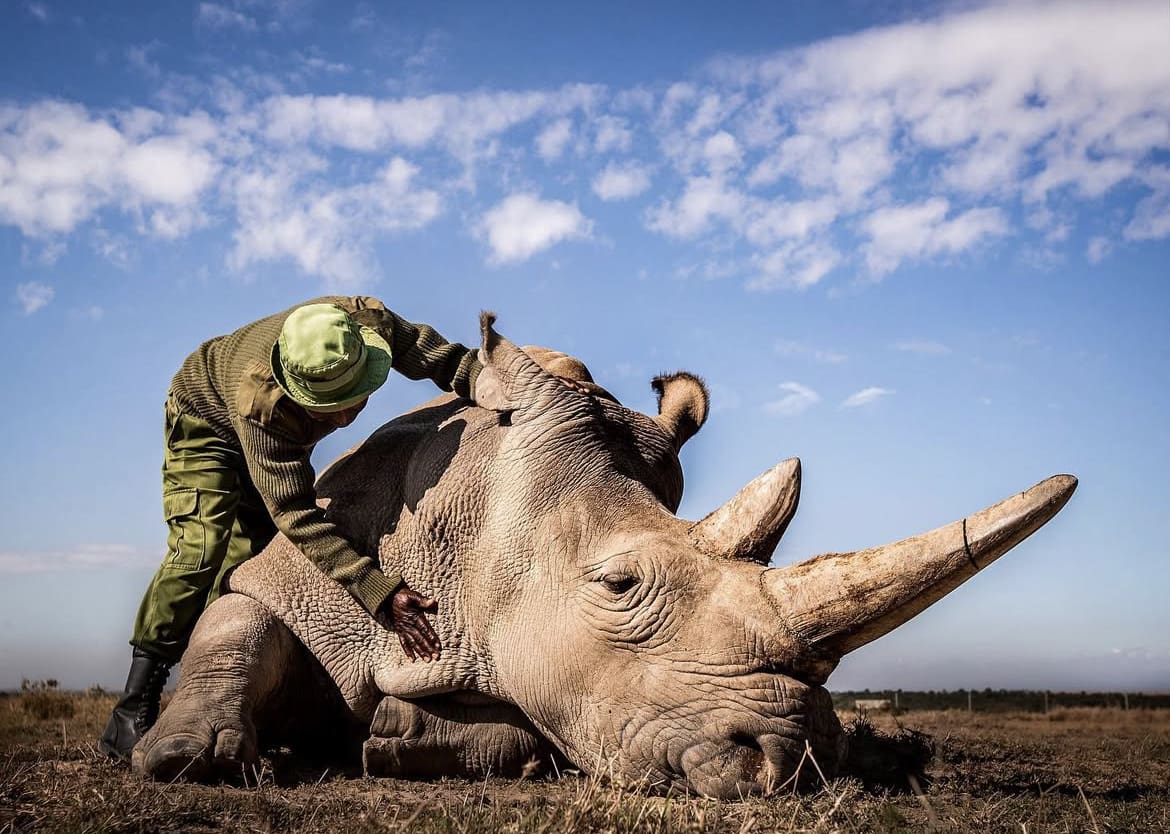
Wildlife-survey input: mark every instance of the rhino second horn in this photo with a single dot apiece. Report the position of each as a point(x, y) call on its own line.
point(841, 601)
point(750, 525)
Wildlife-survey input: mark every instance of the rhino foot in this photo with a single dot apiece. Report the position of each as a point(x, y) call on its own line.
point(238, 656)
point(199, 753)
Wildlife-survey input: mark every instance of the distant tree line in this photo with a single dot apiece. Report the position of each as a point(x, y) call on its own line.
point(1000, 700)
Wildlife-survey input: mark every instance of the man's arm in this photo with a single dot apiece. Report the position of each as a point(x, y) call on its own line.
point(284, 477)
point(419, 351)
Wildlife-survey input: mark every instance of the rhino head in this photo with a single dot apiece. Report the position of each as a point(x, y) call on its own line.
point(655, 648)
point(641, 645)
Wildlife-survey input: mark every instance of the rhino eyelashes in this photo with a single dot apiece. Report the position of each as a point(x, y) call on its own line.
point(618, 584)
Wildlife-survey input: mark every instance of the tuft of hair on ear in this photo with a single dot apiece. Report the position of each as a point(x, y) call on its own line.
point(487, 320)
point(683, 404)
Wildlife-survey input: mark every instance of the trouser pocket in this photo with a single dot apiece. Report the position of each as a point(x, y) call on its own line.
point(186, 533)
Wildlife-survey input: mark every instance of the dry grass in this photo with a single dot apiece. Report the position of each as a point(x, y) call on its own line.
point(1072, 771)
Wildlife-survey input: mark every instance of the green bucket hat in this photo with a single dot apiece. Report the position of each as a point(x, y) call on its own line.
point(326, 361)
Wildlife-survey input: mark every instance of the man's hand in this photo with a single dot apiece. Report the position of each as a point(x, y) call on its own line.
point(407, 612)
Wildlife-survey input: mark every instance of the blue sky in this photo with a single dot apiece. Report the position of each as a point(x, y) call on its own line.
point(922, 247)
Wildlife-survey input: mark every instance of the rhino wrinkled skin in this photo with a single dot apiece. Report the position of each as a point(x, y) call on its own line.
point(580, 618)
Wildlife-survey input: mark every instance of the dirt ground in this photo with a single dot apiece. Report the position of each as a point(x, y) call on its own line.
point(1074, 770)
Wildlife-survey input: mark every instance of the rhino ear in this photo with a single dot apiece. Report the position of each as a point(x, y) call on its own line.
point(682, 405)
point(511, 380)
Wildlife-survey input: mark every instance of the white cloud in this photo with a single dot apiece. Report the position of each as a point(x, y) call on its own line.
point(994, 109)
point(33, 296)
point(789, 348)
point(796, 400)
point(551, 142)
point(59, 166)
point(357, 123)
point(215, 16)
point(721, 152)
point(612, 134)
point(793, 266)
point(82, 557)
point(927, 348)
point(326, 232)
point(167, 169)
point(705, 199)
point(909, 142)
point(523, 224)
point(38, 10)
point(621, 182)
point(866, 396)
point(777, 220)
point(912, 232)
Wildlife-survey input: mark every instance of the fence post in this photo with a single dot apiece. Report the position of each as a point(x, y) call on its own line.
point(970, 708)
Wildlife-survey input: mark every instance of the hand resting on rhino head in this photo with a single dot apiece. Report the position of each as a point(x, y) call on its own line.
point(579, 616)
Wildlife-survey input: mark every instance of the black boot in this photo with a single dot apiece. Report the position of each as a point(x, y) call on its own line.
point(137, 710)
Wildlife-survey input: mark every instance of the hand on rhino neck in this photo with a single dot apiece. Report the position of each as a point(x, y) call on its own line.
point(406, 611)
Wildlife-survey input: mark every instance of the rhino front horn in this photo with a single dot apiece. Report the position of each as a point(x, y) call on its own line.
point(841, 601)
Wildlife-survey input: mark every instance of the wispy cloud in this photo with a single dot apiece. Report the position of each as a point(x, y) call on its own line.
point(523, 224)
point(216, 16)
point(82, 557)
point(925, 347)
point(796, 400)
point(866, 396)
point(33, 296)
point(789, 348)
point(1098, 249)
point(92, 313)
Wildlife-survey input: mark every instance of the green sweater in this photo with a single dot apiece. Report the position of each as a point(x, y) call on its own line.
point(228, 382)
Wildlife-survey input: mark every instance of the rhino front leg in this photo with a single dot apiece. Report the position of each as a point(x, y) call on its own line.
point(237, 658)
point(454, 735)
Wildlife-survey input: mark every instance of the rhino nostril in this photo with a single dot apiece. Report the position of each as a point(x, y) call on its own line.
point(745, 740)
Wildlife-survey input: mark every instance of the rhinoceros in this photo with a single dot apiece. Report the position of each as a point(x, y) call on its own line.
point(580, 618)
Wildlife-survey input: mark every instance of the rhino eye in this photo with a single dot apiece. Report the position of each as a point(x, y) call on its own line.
point(619, 584)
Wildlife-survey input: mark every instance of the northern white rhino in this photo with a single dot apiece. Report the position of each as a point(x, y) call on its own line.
point(579, 616)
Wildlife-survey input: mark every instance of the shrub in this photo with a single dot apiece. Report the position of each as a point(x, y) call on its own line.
point(42, 701)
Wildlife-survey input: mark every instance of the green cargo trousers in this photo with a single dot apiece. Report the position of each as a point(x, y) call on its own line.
point(215, 519)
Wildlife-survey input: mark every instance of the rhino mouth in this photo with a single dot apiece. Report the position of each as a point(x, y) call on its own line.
point(743, 764)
